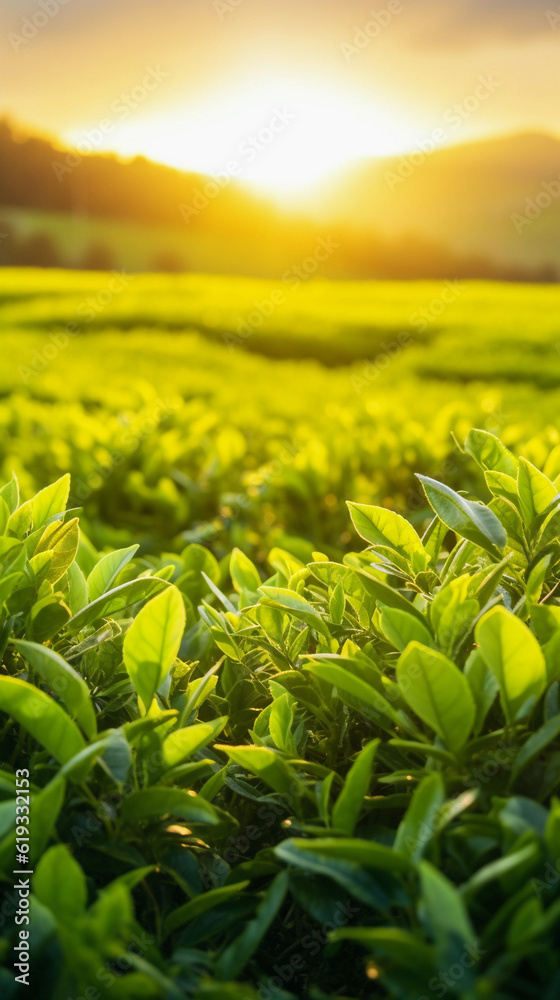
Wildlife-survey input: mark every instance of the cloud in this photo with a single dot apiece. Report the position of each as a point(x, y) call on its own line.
point(466, 23)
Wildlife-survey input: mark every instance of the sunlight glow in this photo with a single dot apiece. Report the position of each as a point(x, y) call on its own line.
point(282, 138)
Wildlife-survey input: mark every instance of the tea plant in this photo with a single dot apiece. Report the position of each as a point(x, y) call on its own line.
point(336, 781)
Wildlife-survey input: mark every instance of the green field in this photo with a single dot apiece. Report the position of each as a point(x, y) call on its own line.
point(173, 419)
point(135, 246)
point(271, 745)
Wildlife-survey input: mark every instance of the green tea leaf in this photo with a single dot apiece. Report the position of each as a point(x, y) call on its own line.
point(45, 809)
point(62, 541)
point(190, 911)
point(235, 957)
point(115, 601)
point(78, 596)
point(197, 560)
point(501, 485)
point(281, 719)
point(535, 745)
point(347, 684)
point(484, 687)
point(4, 515)
point(10, 494)
point(420, 820)
point(298, 607)
point(152, 642)
point(60, 884)
point(468, 519)
point(50, 501)
point(366, 853)
point(536, 492)
point(21, 520)
point(445, 908)
point(47, 722)
point(63, 680)
point(47, 617)
point(183, 743)
point(401, 628)
point(489, 452)
point(399, 946)
point(244, 574)
point(349, 804)
point(337, 603)
point(380, 526)
point(438, 692)
point(264, 763)
point(158, 802)
point(104, 574)
point(514, 656)
point(387, 595)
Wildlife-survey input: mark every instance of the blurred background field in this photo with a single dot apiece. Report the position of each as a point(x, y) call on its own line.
point(471, 210)
point(176, 427)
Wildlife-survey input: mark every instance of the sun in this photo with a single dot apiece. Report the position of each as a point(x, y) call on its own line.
point(282, 138)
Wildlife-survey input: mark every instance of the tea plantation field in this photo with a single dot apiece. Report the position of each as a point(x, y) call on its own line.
point(280, 639)
point(177, 425)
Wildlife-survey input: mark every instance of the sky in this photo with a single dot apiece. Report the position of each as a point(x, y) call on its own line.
point(287, 90)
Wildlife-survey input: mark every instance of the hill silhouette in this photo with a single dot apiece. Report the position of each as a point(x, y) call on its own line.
point(499, 197)
point(448, 214)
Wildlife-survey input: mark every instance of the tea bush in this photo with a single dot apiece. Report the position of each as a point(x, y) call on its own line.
point(171, 439)
point(335, 781)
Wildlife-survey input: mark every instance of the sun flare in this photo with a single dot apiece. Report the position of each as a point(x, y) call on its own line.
point(282, 138)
